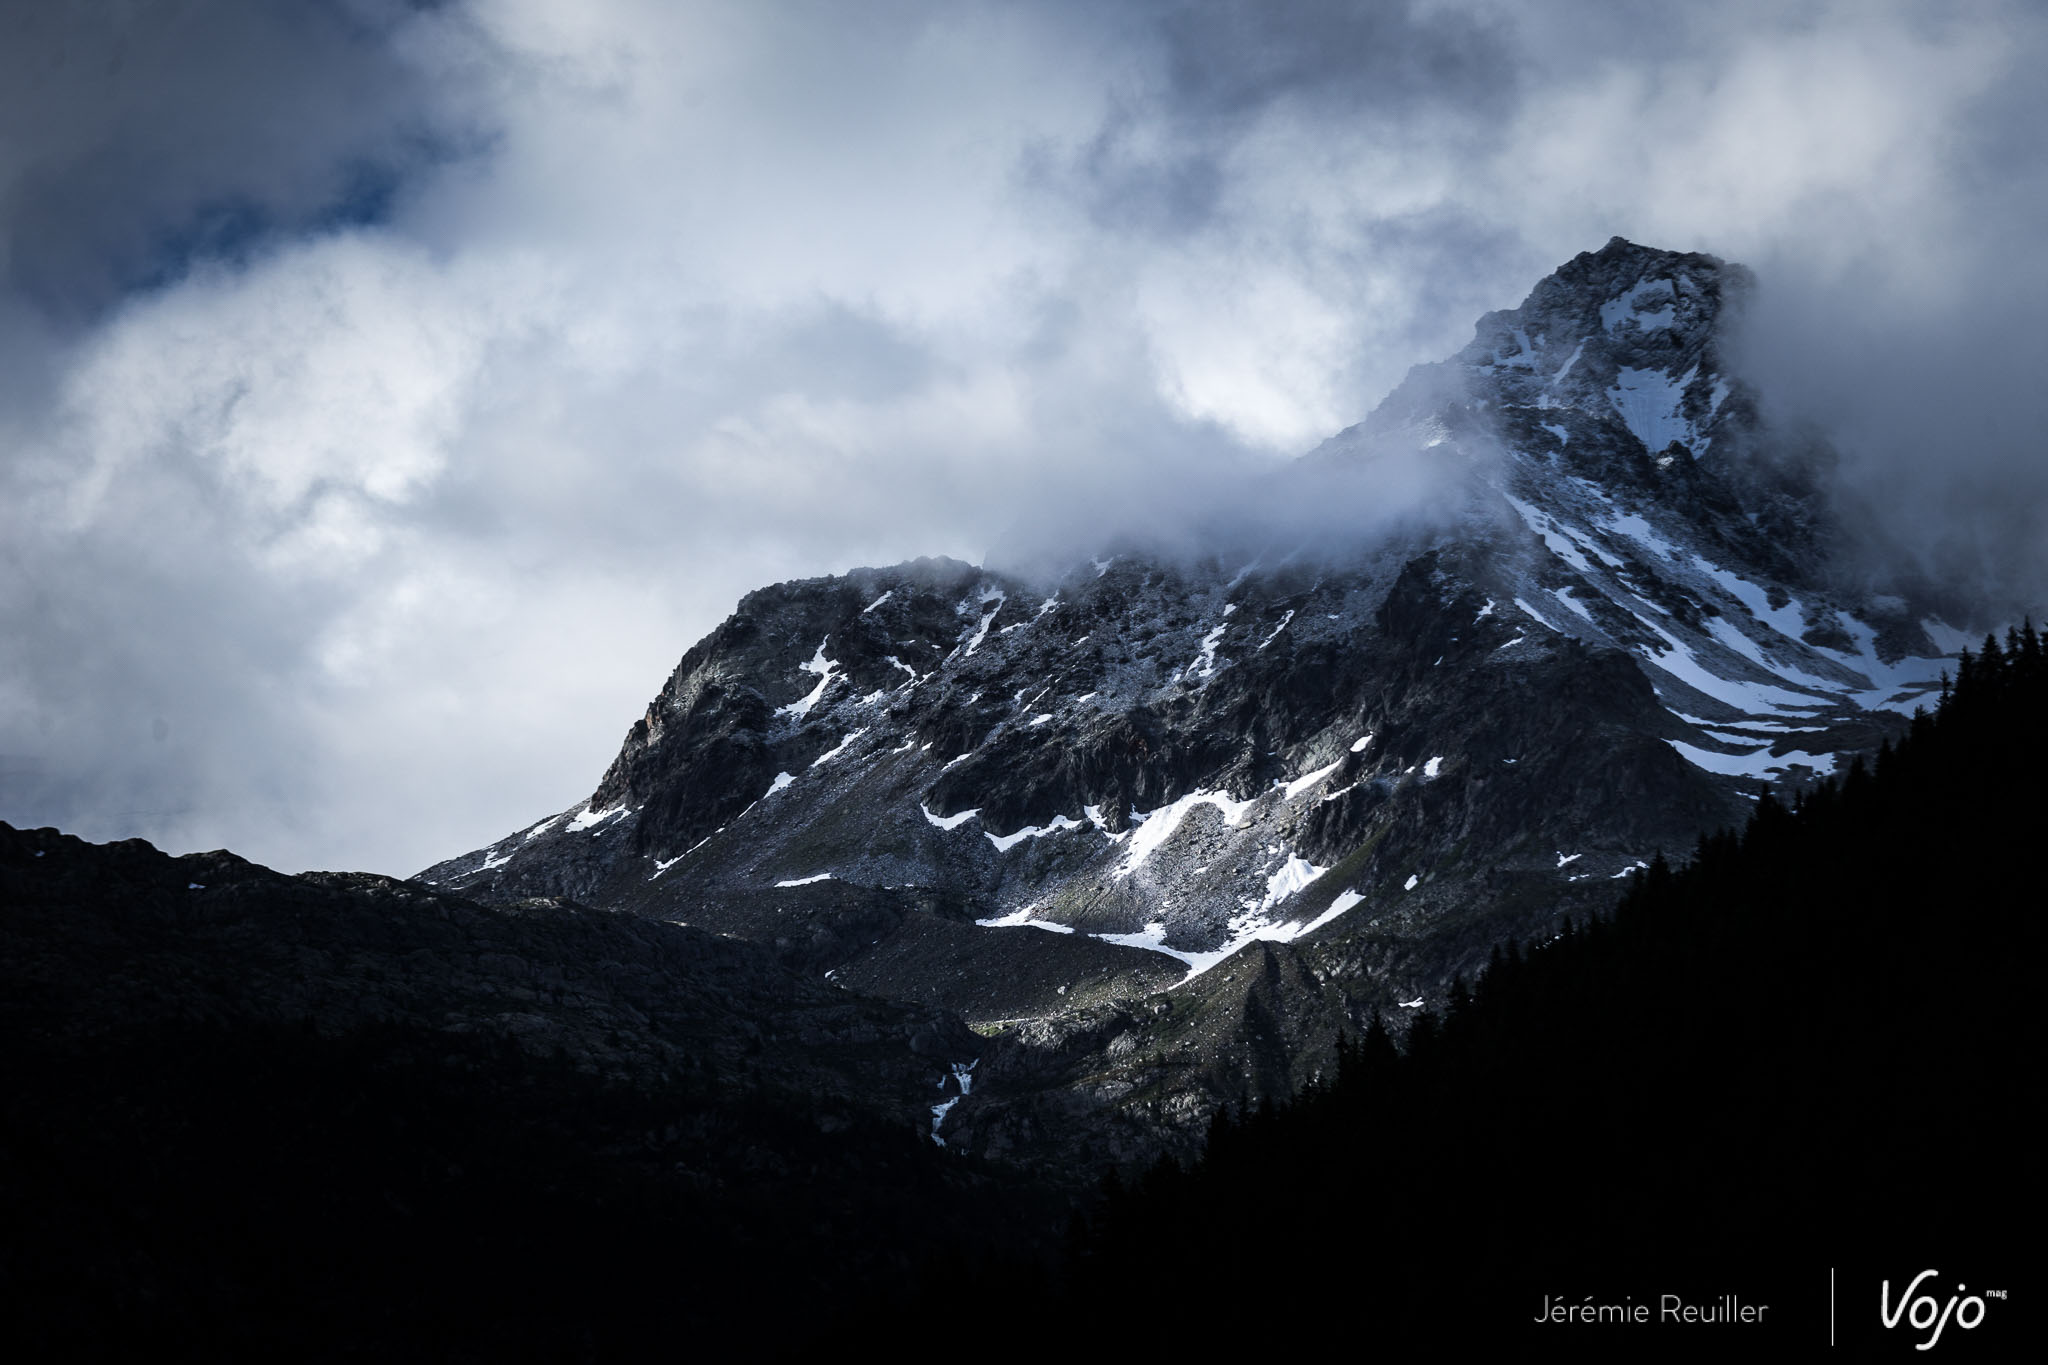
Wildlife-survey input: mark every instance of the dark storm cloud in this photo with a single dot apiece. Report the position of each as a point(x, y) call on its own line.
point(1157, 163)
point(1935, 401)
point(1230, 59)
point(1912, 337)
point(141, 136)
point(391, 394)
point(155, 680)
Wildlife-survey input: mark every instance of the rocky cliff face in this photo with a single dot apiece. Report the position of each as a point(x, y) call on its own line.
point(1163, 823)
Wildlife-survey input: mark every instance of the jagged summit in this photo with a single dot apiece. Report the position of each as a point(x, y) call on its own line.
point(1352, 770)
point(1627, 342)
point(1628, 331)
point(1613, 378)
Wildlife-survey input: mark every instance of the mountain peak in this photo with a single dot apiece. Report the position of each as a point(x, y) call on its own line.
point(1629, 338)
point(1605, 316)
point(1612, 625)
point(1626, 288)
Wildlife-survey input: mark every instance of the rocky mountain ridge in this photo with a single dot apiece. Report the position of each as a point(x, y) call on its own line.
point(333, 1116)
point(115, 940)
point(1162, 823)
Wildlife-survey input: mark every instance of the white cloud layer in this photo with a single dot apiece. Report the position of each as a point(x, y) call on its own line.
point(391, 396)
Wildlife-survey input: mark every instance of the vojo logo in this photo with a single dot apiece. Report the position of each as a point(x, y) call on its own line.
point(1923, 1314)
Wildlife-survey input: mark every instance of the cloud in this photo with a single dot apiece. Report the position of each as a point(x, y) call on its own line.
point(393, 392)
point(143, 136)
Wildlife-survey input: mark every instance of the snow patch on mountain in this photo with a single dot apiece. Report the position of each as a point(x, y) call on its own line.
point(1678, 660)
point(1547, 531)
point(1787, 620)
point(825, 669)
point(1647, 402)
point(1538, 616)
point(1153, 828)
point(1901, 685)
point(1005, 842)
point(1629, 526)
point(953, 821)
point(589, 819)
point(1025, 918)
point(1648, 305)
point(1293, 875)
point(1307, 780)
point(838, 748)
point(1759, 763)
point(1204, 665)
point(988, 594)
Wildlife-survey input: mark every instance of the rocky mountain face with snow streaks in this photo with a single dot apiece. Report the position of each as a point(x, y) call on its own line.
point(1161, 824)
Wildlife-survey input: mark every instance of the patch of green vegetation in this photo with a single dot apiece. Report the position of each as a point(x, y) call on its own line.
point(1187, 1013)
point(1317, 895)
point(843, 833)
